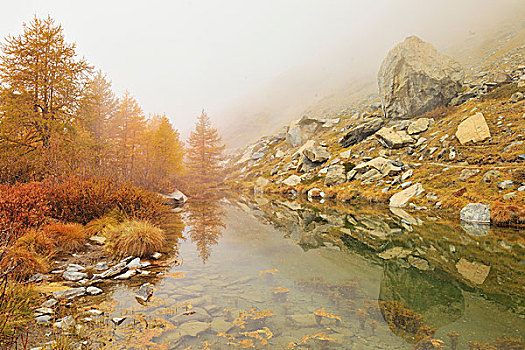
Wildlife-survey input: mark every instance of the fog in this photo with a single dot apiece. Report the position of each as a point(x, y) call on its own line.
point(239, 59)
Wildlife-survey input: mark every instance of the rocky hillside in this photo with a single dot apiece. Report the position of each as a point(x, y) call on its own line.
point(441, 137)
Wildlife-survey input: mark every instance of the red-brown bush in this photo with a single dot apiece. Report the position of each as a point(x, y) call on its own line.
point(22, 207)
point(82, 200)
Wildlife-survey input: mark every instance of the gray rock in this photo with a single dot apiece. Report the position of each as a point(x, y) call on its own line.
point(93, 290)
point(133, 264)
point(118, 320)
point(516, 97)
point(490, 176)
point(126, 275)
point(401, 198)
point(361, 132)
point(44, 319)
point(335, 175)
point(37, 277)
point(50, 303)
point(418, 126)
point(75, 267)
point(69, 293)
point(101, 266)
point(192, 329)
point(467, 174)
point(407, 174)
point(394, 139)
point(145, 292)
point(73, 275)
point(476, 213)
point(316, 153)
point(292, 180)
point(176, 198)
point(473, 129)
point(113, 271)
point(44, 311)
point(65, 323)
point(414, 78)
point(509, 196)
point(506, 185)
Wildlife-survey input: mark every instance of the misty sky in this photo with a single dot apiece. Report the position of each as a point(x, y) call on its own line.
point(179, 56)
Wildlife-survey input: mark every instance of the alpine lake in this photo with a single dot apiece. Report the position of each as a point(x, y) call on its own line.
point(271, 273)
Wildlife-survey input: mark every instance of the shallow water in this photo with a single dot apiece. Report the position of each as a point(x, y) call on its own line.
point(253, 274)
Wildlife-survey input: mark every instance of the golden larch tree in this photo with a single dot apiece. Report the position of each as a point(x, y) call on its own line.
point(205, 153)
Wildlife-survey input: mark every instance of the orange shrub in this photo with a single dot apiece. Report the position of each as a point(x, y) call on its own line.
point(69, 237)
point(82, 200)
point(23, 206)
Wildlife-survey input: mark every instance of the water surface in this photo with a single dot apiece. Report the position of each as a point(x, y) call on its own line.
point(273, 274)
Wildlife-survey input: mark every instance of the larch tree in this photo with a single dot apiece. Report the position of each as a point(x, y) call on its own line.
point(165, 151)
point(205, 153)
point(42, 80)
point(98, 106)
point(127, 130)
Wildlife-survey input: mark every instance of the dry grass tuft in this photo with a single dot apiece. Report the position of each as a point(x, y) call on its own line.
point(70, 237)
point(26, 261)
point(137, 238)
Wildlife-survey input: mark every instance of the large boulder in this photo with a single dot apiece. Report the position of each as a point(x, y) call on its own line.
point(300, 130)
point(311, 156)
point(361, 132)
point(473, 129)
point(476, 213)
point(415, 78)
point(394, 139)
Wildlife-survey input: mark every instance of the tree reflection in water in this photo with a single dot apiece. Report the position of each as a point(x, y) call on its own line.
point(205, 223)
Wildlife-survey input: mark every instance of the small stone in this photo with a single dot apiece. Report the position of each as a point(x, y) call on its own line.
point(101, 266)
point(509, 196)
point(135, 263)
point(506, 185)
point(93, 290)
point(69, 293)
point(126, 275)
point(145, 292)
point(467, 174)
point(490, 176)
point(400, 199)
point(406, 175)
point(156, 255)
point(44, 319)
point(65, 323)
point(94, 312)
point(98, 240)
point(118, 320)
point(44, 311)
point(73, 275)
point(50, 303)
point(473, 271)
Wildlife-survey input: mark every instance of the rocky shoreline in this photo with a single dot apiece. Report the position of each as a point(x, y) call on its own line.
point(436, 140)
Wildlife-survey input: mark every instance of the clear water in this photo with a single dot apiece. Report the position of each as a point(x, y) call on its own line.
point(253, 274)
